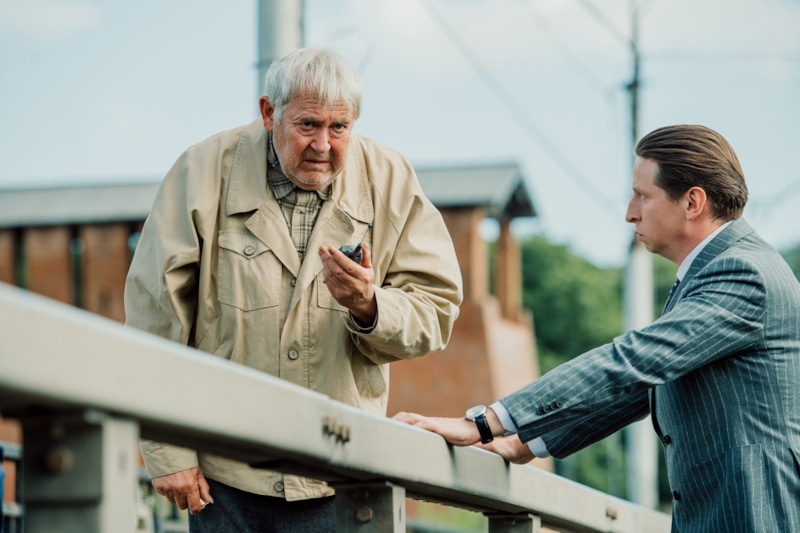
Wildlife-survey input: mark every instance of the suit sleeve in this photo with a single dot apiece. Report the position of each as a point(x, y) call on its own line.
point(720, 314)
point(571, 438)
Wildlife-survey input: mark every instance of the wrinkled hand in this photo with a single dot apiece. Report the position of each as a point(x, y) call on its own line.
point(510, 448)
point(458, 431)
point(187, 489)
point(351, 284)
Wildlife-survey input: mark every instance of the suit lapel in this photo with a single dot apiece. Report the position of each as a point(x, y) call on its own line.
point(727, 237)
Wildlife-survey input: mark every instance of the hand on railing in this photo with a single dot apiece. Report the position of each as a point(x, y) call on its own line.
point(458, 431)
point(464, 432)
point(510, 448)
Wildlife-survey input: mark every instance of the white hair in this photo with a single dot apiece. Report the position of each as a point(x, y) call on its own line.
point(315, 72)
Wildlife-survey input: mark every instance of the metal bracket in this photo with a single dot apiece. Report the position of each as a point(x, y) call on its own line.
point(370, 507)
point(80, 471)
point(514, 523)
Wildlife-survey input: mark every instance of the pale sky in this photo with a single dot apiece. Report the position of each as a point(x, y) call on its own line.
point(94, 91)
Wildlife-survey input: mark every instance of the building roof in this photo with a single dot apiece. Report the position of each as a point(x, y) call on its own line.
point(78, 204)
point(499, 188)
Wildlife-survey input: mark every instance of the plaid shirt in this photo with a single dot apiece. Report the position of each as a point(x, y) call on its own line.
point(300, 208)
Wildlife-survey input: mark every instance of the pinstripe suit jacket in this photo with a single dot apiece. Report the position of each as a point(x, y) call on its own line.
point(722, 365)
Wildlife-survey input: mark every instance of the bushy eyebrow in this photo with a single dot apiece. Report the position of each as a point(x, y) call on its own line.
point(314, 120)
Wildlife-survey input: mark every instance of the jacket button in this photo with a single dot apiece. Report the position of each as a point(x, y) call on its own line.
point(249, 250)
point(278, 487)
point(666, 440)
point(294, 282)
point(541, 410)
point(676, 495)
point(293, 354)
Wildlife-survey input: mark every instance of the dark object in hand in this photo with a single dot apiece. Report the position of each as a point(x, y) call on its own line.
point(355, 253)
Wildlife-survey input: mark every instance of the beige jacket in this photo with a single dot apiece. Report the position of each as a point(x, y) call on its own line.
point(215, 259)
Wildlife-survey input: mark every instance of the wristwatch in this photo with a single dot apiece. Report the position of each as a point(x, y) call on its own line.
point(478, 415)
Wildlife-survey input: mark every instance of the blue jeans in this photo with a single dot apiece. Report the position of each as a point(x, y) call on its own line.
point(237, 511)
point(2, 485)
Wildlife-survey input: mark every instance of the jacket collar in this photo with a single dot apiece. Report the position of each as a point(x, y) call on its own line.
point(737, 230)
point(248, 190)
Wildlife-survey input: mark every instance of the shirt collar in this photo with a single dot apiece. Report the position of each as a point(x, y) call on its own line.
point(277, 180)
point(686, 263)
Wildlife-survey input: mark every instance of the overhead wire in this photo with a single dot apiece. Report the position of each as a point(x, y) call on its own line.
point(571, 59)
point(518, 113)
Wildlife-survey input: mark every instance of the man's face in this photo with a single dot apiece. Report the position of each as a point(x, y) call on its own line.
point(660, 222)
point(310, 141)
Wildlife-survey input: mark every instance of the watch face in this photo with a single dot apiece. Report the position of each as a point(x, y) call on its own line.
point(476, 411)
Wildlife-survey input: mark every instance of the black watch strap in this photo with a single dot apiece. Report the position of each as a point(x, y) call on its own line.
point(484, 429)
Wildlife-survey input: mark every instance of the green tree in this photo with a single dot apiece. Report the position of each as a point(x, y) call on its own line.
point(576, 306)
point(792, 256)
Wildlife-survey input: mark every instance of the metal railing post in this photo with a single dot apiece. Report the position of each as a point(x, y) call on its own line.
point(514, 523)
point(80, 473)
point(370, 507)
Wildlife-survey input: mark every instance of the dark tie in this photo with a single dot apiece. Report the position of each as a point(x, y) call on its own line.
point(672, 289)
point(671, 294)
point(652, 392)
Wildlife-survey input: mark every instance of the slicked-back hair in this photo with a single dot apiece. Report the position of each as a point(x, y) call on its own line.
point(316, 73)
point(696, 156)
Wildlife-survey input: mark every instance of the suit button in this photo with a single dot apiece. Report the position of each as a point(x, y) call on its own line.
point(676, 495)
point(666, 440)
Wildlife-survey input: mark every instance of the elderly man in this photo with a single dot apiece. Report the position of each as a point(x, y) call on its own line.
point(240, 258)
point(719, 371)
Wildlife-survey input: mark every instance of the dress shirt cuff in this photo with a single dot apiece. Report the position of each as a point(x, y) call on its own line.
point(505, 418)
point(539, 448)
point(537, 445)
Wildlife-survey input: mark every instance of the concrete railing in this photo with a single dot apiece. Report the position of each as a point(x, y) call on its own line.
point(86, 389)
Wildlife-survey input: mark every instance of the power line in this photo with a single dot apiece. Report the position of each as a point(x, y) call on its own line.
point(564, 50)
point(604, 21)
point(735, 57)
point(518, 113)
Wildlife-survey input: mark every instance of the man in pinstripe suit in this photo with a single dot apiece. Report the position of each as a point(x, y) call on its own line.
point(719, 371)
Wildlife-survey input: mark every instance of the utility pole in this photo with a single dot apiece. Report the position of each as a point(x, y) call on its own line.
point(638, 304)
point(280, 31)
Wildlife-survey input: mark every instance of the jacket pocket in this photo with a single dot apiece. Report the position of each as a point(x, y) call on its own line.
point(325, 299)
point(249, 275)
